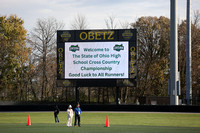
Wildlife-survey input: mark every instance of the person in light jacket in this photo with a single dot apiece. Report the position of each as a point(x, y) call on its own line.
point(70, 114)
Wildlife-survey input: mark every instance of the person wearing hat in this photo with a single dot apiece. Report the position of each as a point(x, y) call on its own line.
point(77, 111)
point(69, 116)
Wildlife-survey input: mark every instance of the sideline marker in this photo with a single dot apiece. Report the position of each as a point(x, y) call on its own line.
point(29, 120)
point(107, 122)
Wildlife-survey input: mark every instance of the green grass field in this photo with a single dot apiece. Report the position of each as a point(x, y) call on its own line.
point(94, 122)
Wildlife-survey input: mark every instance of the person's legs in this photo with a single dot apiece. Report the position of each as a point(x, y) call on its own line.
point(79, 120)
point(68, 122)
point(71, 121)
point(75, 120)
point(55, 118)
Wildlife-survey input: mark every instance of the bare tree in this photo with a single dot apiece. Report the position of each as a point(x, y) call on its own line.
point(79, 23)
point(110, 22)
point(44, 49)
point(196, 18)
point(124, 24)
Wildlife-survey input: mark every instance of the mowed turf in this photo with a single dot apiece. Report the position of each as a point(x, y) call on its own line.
point(94, 122)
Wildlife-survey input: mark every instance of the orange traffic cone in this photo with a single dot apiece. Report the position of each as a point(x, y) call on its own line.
point(29, 120)
point(107, 122)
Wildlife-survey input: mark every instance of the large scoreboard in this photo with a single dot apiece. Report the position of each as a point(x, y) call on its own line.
point(96, 57)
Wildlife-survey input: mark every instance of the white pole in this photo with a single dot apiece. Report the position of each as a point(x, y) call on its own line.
point(173, 53)
point(188, 57)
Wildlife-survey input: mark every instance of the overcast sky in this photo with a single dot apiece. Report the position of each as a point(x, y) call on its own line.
point(94, 10)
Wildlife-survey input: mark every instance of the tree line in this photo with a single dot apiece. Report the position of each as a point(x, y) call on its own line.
point(28, 66)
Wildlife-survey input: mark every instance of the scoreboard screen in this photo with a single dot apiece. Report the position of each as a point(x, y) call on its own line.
point(98, 60)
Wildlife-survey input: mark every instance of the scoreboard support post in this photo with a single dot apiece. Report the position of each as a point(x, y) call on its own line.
point(77, 95)
point(117, 96)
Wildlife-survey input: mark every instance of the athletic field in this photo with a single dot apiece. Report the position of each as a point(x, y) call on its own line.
point(94, 122)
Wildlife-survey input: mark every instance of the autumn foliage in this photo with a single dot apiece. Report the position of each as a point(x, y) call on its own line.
point(28, 63)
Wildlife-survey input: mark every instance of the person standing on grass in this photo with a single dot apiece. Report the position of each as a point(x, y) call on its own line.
point(77, 111)
point(70, 114)
point(56, 112)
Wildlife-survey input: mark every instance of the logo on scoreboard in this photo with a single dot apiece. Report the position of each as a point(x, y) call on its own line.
point(118, 47)
point(127, 34)
point(74, 48)
point(66, 36)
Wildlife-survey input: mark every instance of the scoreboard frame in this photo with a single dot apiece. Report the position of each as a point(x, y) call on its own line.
point(114, 35)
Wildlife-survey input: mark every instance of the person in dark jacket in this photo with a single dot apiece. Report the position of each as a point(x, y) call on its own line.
point(77, 111)
point(56, 112)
